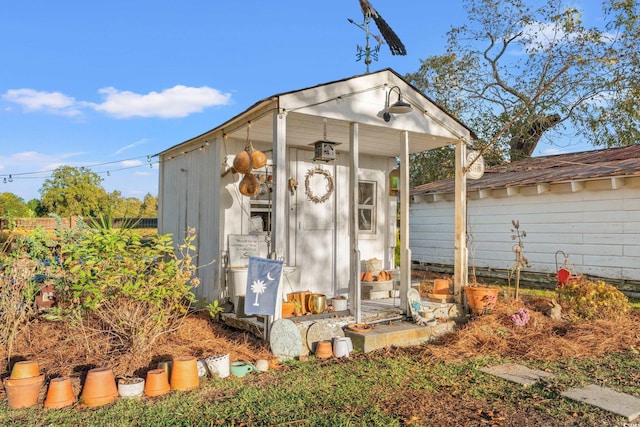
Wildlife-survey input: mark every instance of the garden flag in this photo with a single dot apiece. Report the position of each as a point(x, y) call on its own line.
point(263, 282)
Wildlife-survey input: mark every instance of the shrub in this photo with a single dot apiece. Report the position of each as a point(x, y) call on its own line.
point(17, 298)
point(588, 300)
point(132, 289)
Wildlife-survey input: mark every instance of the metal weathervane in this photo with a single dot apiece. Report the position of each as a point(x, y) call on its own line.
point(387, 35)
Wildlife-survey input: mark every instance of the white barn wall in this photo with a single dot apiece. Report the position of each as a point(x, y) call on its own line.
point(599, 229)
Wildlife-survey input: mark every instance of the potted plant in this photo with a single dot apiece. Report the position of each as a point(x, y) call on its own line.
point(480, 299)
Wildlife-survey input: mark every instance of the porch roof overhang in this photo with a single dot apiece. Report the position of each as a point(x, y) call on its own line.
point(360, 99)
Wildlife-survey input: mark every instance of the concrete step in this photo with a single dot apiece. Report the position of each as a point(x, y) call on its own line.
point(398, 334)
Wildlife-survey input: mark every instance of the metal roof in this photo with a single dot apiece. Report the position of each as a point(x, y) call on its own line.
point(586, 165)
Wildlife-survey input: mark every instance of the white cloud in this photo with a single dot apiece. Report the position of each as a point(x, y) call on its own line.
point(178, 101)
point(130, 163)
point(143, 174)
point(132, 145)
point(50, 102)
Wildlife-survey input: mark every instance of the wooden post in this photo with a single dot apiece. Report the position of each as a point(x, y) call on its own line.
point(460, 274)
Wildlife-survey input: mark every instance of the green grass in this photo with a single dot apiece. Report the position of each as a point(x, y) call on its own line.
point(385, 389)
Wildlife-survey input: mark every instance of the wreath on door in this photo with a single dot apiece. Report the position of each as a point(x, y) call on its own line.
point(329, 185)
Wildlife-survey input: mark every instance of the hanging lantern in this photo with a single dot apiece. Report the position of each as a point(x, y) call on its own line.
point(324, 150)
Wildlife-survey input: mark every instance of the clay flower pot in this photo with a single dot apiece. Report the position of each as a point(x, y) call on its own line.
point(23, 392)
point(157, 383)
point(25, 369)
point(441, 286)
point(288, 308)
point(324, 349)
point(130, 387)
point(60, 393)
point(184, 373)
point(99, 388)
point(481, 300)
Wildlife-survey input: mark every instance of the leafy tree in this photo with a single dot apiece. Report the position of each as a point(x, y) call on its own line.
point(542, 68)
point(12, 206)
point(149, 208)
point(120, 207)
point(74, 191)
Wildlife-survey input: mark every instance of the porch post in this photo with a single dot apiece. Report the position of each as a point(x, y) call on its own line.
point(354, 264)
point(278, 197)
point(405, 252)
point(460, 270)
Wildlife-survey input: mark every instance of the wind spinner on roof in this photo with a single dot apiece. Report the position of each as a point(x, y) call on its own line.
point(387, 35)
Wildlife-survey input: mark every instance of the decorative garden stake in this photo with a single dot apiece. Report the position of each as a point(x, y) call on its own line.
point(521, 260)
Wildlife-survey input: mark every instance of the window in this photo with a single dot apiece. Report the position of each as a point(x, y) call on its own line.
point(367, 207)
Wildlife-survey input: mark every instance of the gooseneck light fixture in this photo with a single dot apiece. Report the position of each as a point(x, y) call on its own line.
point(398, 107)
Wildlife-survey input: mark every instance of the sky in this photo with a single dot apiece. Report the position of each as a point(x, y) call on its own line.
point(108, 84)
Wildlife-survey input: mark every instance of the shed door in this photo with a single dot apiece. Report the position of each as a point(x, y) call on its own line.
point(314, 213)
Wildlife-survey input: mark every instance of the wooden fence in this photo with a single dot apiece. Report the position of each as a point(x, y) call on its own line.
point(52, 223)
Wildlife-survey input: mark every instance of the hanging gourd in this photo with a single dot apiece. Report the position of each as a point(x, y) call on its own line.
point(249, 185)
point(258, 158)
point(242, 162)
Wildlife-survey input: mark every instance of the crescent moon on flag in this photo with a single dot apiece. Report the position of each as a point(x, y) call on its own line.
point(269, 276)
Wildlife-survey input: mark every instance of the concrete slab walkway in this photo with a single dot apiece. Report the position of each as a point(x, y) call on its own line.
point(604, 398)
point(610, 400)
point(517, 373)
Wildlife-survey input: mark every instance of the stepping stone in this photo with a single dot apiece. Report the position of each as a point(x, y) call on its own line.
point(610, 400)
point(517, 373)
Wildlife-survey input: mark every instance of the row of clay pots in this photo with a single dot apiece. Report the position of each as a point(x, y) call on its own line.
point(23, 386)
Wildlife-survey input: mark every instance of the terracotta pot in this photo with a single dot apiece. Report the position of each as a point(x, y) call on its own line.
point(184, 373)
point(23, 392)
point(324, 350)
point(99, 388)
point(25, 369)
point(361, 328)
point(441, 286)
point(481, 300)
point(60, 393)
point(157, 383)
point(288, 308)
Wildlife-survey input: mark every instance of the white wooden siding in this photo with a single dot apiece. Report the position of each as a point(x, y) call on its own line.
point(599, 228)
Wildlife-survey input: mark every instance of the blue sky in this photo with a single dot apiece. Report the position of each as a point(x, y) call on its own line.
point(104, 84)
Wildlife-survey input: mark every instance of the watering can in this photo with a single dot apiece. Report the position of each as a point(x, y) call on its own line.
point(240, 369)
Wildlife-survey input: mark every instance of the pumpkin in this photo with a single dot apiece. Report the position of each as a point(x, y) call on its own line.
point(368, 277)
point(258, 158)
point(242, 162)
point(249, 186)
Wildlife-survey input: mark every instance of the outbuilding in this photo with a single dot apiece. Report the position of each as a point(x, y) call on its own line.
point(581, 210)
point(326, 202)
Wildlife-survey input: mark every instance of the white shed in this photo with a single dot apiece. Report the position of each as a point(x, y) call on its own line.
point(324, 223)
point(586, 205)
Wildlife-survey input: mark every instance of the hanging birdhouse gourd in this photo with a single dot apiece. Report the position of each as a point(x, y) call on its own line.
point(258, 158)
point(249, 185)
point(242, 162)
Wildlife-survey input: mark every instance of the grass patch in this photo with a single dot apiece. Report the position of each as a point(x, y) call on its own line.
point(391, 388)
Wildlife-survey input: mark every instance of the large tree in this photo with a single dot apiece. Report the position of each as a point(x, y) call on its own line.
point(536, 64)
point(74, 191)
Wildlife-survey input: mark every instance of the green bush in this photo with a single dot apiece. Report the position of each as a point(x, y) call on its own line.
point(588, 300)
point(130, 288)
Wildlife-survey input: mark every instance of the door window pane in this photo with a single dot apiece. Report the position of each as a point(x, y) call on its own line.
point(366, 207)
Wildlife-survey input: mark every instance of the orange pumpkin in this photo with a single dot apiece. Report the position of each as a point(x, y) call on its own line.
point(368, 277)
